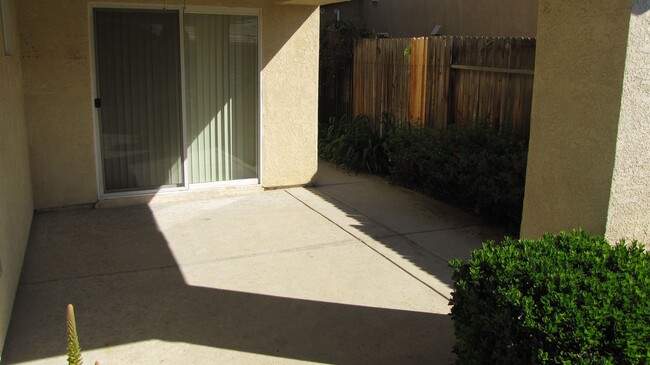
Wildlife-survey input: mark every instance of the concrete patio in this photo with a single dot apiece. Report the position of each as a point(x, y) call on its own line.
point(351, 271)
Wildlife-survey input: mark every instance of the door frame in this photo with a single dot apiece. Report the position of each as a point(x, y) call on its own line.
point(94, 76)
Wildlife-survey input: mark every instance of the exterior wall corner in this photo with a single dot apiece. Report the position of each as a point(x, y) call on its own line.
point(629, 206)
point(575, 115)
point(16, 203)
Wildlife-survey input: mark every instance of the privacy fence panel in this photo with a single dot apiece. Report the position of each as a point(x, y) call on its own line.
point(492, 80)
point(438, 81)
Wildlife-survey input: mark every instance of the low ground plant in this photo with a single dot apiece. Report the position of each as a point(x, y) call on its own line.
point(354, 144)
point(474, 167)
point(569, 298)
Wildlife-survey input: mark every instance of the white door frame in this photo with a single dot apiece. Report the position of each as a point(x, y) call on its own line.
point(181, 10)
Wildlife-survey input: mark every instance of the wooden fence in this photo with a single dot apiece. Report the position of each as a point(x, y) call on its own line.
point(440, 81)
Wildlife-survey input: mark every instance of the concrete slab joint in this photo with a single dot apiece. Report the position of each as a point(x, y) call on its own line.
point(304, 275)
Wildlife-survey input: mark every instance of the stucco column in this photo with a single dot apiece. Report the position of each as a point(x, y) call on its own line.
point(629, 202)
point(589, 156)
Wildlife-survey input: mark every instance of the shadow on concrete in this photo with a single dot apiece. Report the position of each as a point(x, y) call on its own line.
point(389, 243)
point(640, 7)
point(400, 224)
point(116, 267)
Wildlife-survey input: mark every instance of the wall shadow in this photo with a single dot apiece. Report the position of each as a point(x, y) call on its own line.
point(280, 22)
point(409, 225)
point(115, 266)
point(640, 7)
point(394, 242)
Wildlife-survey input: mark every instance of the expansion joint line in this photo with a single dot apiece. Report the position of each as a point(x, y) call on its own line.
point(344, 229)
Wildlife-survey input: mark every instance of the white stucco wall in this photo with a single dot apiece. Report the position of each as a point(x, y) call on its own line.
point(15, 186)
point(629, 206)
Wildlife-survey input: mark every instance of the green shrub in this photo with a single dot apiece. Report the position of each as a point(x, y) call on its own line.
point(337, 40)
point(413, 153)
point(474, 167)
point(354, 144)
point(562, 299)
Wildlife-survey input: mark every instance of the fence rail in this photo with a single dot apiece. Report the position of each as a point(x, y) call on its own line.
point(439, 81)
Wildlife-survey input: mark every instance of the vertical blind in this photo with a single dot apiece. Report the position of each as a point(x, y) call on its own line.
point(141, 129)
point(221, 73)
point(138, 59)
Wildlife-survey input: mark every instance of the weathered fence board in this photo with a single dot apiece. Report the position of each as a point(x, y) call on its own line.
point(446, 80)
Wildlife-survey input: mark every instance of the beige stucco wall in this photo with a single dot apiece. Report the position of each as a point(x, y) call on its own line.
point(57, 76)
point(581, 50)
point(290, 95)
point(15, 187)
point(629, 206)
point(402, 18)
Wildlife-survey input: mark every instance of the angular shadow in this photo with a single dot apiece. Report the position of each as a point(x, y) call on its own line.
point(115, 266)
point(640, 7)
point(400, 224)
point(371, 231)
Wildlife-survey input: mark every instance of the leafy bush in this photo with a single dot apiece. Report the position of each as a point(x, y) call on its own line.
point(474, 167)
point(337, 39)
point(562, 299)
point(354, 144)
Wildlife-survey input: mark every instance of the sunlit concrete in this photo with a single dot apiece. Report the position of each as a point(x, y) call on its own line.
point(353, 270)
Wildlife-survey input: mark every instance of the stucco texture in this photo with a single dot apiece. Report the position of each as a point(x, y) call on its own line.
point(58, 86)
point(580, 63)
point(458, 17)
point(15, 187)
point(629, 206)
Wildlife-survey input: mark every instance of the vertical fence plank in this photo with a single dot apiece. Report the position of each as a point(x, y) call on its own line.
point(418, 79)
point(423, 85)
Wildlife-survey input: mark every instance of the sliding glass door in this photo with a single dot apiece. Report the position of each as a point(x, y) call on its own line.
point(144, 143)
point(221, 88)
point(139, 80)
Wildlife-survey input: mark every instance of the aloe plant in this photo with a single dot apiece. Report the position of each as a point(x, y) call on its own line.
point(74, 350)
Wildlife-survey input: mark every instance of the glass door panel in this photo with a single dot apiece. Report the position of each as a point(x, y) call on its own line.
point(222, 97)
point(138, 67)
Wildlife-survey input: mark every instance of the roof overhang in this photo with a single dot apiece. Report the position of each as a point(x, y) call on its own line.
point(309, 2)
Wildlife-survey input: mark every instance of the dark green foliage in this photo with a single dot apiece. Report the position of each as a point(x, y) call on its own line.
point(562, 299)
point(337, 46)
point(473, 167)
point(354, 144)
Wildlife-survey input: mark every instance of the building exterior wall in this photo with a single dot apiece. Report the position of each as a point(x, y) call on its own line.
point(629, 205)
point(411, 18)
point(290, 37)
point(58, 85)
point(579, 66)
point(15, 186)
point(348, 11)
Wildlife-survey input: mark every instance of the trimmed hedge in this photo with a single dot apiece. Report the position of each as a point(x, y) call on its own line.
point(569, 298)
point(474, 167)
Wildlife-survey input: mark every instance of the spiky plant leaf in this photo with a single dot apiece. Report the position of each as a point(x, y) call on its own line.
point(74, 350)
